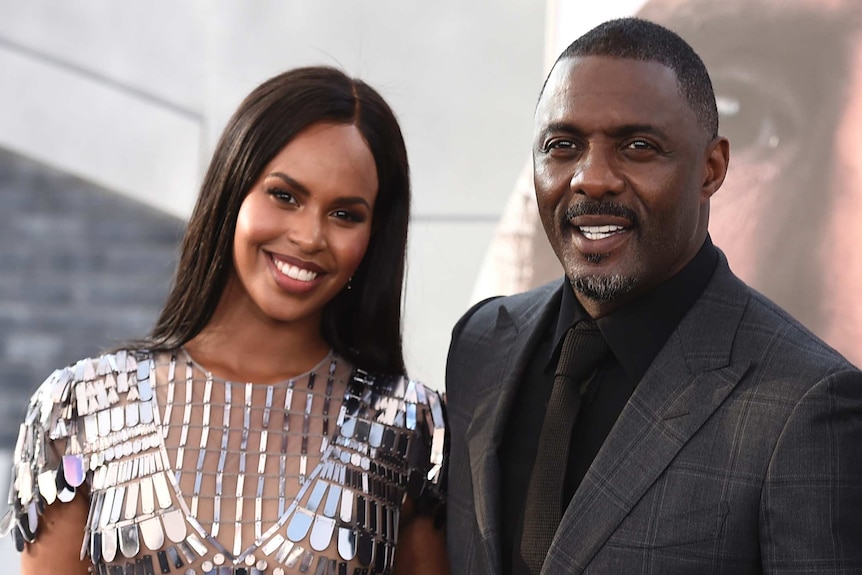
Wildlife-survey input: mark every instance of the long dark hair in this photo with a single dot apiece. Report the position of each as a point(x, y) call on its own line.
point(362, 324)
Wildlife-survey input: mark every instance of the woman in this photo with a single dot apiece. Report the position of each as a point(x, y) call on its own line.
point(265, 426)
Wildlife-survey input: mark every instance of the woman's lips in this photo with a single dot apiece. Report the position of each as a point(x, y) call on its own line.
point(294, 272)
point(294, 275)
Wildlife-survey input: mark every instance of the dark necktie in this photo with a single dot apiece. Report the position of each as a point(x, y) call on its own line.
point(583, 348)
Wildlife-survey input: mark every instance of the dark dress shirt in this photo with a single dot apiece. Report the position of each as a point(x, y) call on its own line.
point(635, 334)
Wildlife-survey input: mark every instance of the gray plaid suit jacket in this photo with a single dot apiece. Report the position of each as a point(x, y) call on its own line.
point(739, 452)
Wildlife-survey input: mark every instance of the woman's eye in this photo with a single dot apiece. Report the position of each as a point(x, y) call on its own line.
point(283, 196)
point(348, 216)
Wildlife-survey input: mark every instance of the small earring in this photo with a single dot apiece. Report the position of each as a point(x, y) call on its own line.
point(350, 283)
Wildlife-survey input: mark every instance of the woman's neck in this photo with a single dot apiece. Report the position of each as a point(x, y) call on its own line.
point(240, 345)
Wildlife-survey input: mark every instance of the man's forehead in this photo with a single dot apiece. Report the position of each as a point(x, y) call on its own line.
point(600, 76)
point(582, 73)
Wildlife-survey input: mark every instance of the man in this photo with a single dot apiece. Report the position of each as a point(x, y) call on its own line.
point(714, 433)
point(787, 77)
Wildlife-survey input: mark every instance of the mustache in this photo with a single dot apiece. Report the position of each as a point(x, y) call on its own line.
point(591, 208)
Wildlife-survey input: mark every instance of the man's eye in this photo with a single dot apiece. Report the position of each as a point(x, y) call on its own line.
point(559, 144)
point(640, 145)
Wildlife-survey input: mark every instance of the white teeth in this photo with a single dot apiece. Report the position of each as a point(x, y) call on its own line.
point(294, 272)
point(599, 232)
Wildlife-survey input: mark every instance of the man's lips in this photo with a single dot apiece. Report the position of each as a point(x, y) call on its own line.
point(600, 226)
point(588, 213)
point(600, 232)
point(597, 221)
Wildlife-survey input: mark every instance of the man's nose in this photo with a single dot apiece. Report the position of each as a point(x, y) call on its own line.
point(597, 173)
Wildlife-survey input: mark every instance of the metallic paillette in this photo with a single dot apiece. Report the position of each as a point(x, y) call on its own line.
point(187, 473)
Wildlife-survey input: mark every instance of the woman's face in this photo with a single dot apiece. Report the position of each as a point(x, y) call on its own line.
point(304, 226)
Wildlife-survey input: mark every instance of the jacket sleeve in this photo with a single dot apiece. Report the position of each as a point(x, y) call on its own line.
point(811, 507)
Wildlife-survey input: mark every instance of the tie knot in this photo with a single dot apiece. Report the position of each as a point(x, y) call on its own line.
point(583, 348)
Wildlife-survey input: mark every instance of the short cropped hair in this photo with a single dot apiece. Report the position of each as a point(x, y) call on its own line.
point(639, 39)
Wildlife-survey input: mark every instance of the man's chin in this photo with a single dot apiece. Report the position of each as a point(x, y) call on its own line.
point(603, 288)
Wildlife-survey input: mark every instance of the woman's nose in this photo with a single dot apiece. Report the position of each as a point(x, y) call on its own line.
point(307, 232)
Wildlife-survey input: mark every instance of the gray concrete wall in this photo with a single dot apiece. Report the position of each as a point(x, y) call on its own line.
point(81, 269)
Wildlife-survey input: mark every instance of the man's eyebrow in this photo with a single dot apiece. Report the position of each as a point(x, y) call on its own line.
point(617, 132)
point(564, 127)
point(634, 129)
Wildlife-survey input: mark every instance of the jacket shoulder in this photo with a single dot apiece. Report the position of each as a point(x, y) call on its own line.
point(788, 338)
point(483, 315)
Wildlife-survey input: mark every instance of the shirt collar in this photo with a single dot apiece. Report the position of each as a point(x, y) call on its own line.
point(637, 331)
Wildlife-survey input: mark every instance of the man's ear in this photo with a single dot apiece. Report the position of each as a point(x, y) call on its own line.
point(717, 160)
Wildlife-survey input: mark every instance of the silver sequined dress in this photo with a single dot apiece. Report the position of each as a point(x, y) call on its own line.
point(188, 473)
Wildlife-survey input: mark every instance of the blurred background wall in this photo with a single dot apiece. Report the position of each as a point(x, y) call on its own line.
point(109, 112)
point(126, 101)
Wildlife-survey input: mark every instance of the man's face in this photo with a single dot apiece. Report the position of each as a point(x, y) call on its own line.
point(623, 173)
point(787, 78)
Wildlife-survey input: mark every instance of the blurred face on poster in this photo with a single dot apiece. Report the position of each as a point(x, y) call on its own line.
point(788, 81)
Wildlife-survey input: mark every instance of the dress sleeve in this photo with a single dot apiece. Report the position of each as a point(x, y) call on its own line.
point(47, 464)
point(427, 457)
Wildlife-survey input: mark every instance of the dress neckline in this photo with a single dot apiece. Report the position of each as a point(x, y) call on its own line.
point(328, 358)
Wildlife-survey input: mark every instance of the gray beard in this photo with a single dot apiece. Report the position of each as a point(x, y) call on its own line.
point(603, 288)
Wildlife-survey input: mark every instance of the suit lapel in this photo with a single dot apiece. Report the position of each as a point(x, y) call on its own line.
point(513, 338)
point(686, 383)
